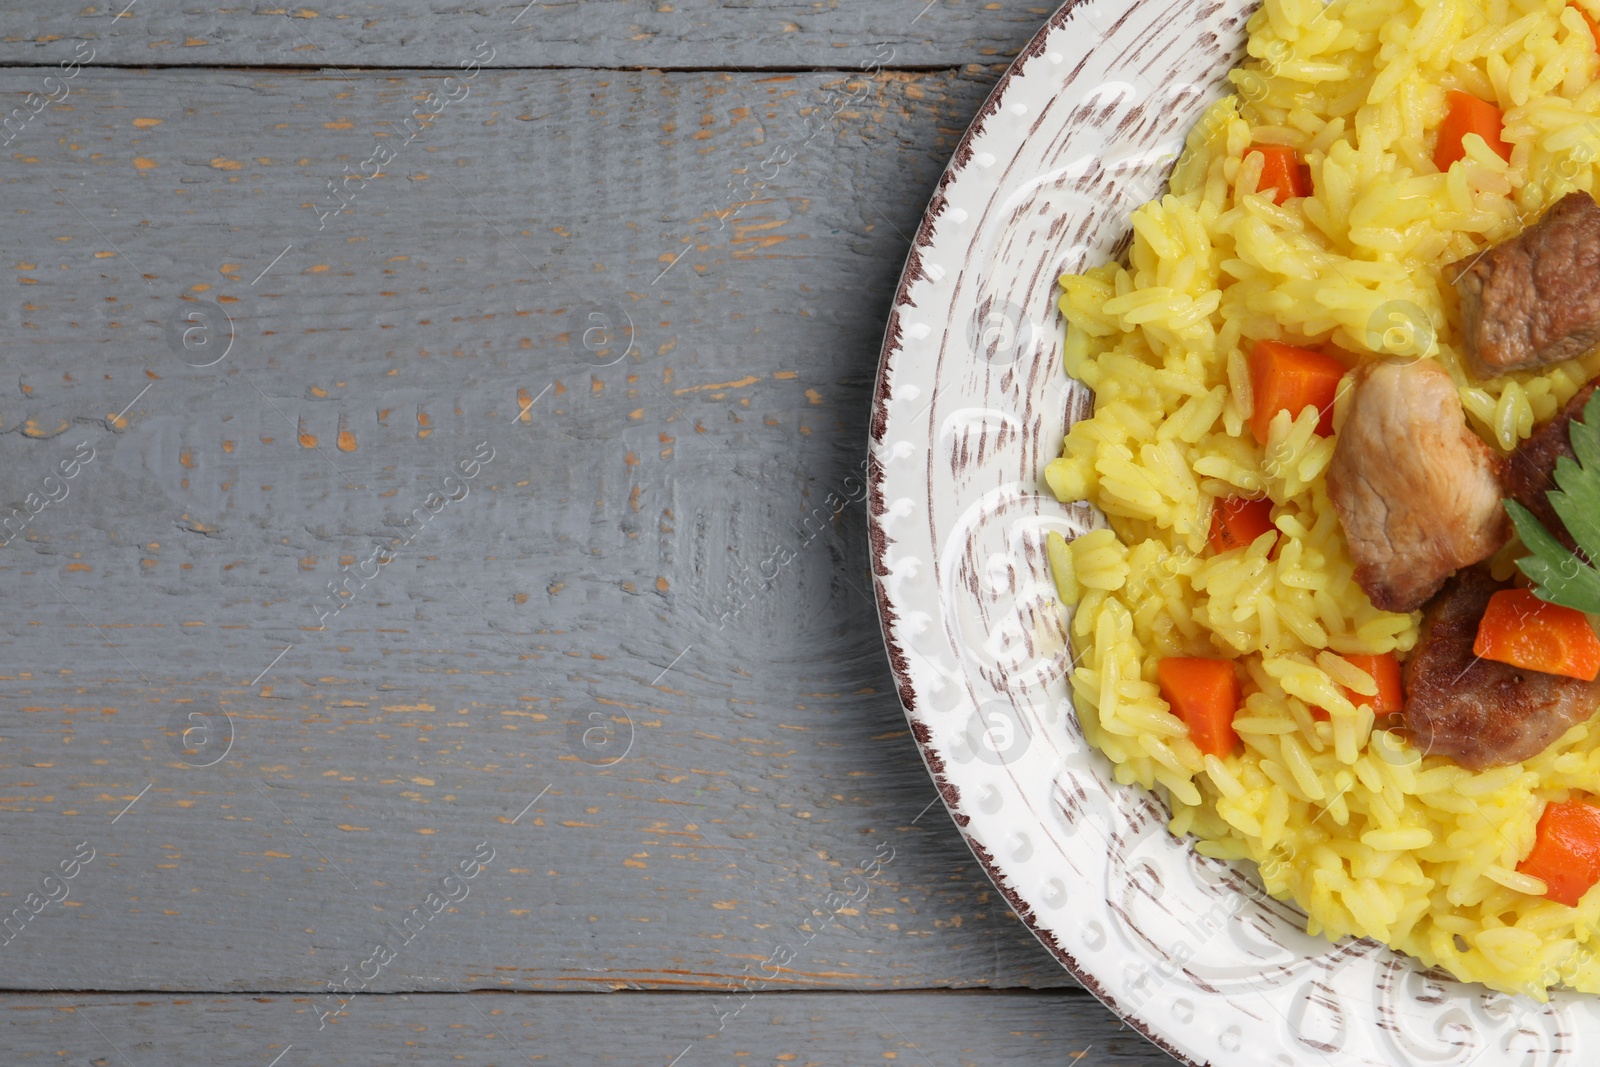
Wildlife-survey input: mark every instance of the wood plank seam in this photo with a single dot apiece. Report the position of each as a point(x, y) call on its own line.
point(512, 68)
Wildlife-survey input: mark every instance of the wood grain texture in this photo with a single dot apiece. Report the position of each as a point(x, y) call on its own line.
point(489, 1030)
point(668, 548)
point(575, 33)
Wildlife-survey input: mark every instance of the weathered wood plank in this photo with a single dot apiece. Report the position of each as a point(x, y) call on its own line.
point(697, 34)
point(622, 563)
point(935, 1029)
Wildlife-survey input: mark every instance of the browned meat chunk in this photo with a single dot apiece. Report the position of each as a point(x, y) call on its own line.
point(1479, 712)
point(1417, 493)
point(1530, 470)
point(1534, 299)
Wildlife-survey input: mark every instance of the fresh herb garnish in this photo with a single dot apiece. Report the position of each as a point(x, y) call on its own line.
point(1561, 576)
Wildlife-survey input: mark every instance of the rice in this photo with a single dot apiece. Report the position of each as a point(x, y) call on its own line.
point(1365, 836)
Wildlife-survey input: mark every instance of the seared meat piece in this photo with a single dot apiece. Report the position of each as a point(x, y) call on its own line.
point(1530, 470)
point(1417, 493)
point(1479, 712)
point(1534, 299)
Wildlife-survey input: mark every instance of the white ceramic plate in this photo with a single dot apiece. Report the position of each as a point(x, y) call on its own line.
point(971, 404)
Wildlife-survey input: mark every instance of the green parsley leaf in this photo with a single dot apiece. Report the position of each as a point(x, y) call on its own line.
point(1560, 576)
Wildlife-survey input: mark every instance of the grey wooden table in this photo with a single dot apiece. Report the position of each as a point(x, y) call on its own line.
point(435, 624)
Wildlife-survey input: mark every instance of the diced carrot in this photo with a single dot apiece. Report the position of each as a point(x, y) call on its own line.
point(1520, 629)
point(1594, 30)
point(1566, 851)
point(1385, 670)
point(1237, 521)
point(1285, 377)
point(1281, 172)
point(1467, 114)
point(1205, 694)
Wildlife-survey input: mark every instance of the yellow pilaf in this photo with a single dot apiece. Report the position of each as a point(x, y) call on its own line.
point(1365, 836)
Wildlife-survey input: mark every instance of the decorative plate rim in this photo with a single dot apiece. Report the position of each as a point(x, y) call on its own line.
point(893, 345)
